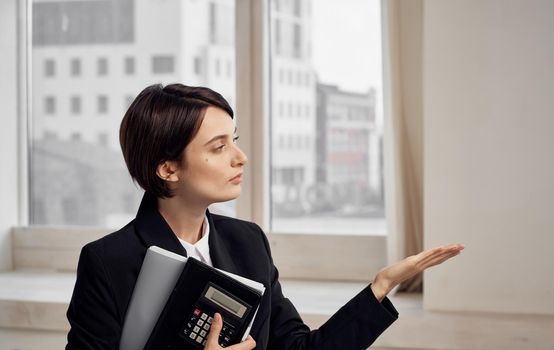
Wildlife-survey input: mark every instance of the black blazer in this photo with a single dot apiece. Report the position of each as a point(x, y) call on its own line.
point(108, 269)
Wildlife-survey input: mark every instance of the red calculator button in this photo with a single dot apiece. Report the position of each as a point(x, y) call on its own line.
point(196, 312)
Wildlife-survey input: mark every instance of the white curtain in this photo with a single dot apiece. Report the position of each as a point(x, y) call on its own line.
point(402, 47)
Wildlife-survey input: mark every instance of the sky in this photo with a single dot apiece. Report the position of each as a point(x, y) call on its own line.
point(347, 43)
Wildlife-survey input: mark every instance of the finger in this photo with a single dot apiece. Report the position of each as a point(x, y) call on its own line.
point(442, 251)
point(429, 253)
point(423, 258)
point(440, 259)
point(215, 328)
point(248, 344)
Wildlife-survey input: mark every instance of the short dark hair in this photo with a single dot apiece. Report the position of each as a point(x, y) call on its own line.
point(158, 126)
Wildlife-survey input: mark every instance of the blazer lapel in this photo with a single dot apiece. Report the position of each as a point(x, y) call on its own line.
point(153, 229)
point(220, 252)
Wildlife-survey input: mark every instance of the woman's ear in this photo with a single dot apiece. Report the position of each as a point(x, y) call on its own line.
point(167, 171)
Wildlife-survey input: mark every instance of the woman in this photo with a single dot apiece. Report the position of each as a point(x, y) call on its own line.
point(179, 146)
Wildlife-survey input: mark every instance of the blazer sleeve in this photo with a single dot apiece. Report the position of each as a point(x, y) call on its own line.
point(356, 325)
point(92, 312)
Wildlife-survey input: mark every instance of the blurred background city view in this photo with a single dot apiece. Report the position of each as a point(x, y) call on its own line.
point(92, 57)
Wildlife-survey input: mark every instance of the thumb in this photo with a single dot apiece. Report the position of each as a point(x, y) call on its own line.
point(215, 328)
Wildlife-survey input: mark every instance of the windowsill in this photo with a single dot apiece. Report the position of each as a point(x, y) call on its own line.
point(298, 256)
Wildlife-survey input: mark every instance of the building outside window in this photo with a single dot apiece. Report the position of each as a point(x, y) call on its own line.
point(331, 182)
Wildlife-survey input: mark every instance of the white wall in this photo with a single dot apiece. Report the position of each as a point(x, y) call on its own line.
point(489, 160)
point(8, 130)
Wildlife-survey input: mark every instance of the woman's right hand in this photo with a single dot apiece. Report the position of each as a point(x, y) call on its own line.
point(213, 337)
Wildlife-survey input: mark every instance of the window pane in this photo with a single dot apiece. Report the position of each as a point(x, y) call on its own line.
point(87, 59)
point(102, 66)
point(163, 64)
point(75, 105)
point(49, 68)
point(326, 115)
point(129, 65)
point(75, 65)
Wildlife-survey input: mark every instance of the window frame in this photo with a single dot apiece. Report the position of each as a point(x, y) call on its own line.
point(298, 255)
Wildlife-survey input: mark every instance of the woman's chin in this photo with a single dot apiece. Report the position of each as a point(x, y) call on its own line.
point(230, 195)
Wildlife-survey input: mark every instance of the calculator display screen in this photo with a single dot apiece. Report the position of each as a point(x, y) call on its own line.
point(225, 301)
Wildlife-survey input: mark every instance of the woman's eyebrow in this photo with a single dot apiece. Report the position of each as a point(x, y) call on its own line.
point(222, 136)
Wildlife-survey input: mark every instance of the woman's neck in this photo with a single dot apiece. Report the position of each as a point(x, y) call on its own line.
point(184, 219)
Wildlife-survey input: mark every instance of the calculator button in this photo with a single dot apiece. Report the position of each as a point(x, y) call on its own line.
point(204, 316)
point(197, 312)
point(199, 340)
point(196, 329)
point(200, 323)
point(192, 336)
point(206, 326)
point(210, 320)
point(204, 342)
point(203, 333)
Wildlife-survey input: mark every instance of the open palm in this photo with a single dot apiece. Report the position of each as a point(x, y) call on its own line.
point(392, 275)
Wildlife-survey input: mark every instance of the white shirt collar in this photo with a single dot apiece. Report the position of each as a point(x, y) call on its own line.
point(201, 249)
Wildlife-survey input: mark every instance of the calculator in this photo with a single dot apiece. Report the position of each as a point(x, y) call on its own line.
point(215, 299)
point(199, 293)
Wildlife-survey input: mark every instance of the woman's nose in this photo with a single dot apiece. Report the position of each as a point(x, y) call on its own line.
point(240, 158)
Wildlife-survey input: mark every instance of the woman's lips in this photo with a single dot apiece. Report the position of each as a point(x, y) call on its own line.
point(236, 179)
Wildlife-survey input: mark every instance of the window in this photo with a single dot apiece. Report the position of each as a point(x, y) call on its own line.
point(76, 136)
point(49, 105)
point(71, 23)
point(102, 104)
point(197, 65)
point(50, 135)
point(75, 67)
point(129, 65)
point(229, 69)
point(49, 68)
point(335, 187)
point(94, 43)
point(102, 66)
point(163, 64)
point(75, 105)
point(221, 17)
point(217, 67)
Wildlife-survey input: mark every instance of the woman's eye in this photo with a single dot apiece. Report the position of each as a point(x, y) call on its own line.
point(235, 139)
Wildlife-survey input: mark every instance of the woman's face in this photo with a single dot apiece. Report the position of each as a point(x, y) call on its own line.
point(212, 161)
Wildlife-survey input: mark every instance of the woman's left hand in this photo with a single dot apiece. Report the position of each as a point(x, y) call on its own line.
point(393, 275)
